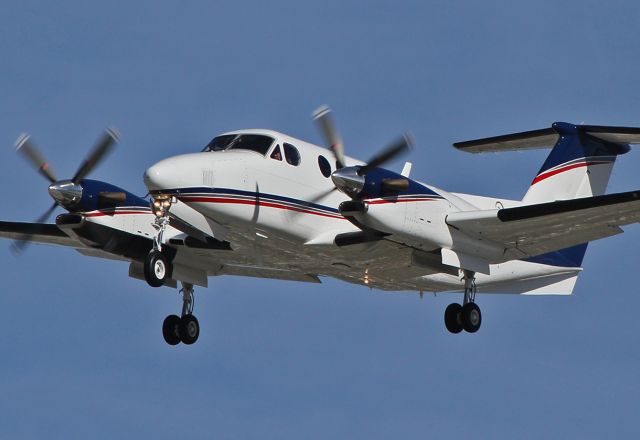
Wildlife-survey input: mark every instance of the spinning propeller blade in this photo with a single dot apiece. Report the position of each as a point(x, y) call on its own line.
point(99, 152)
point(389, 153)
point(323, 117)
point(18, 246)
point(28, 150)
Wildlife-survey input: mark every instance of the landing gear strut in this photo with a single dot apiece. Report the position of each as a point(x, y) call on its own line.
point(467, 316)
point(157, 267)
point(184, 328)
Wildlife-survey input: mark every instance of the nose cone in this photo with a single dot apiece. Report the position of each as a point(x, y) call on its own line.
point(153, 177)
point(172, 173)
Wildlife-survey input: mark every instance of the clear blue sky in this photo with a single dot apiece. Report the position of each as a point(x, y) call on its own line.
point(81, 352)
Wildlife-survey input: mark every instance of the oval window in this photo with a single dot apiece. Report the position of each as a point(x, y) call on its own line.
point(291, 154)
point(325, 166)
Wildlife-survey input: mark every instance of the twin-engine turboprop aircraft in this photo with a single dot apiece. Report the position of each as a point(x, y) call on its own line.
point(263, 204)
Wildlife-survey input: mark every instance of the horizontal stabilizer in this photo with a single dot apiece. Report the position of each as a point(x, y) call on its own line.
point(547, 138)
point(532, 230)
point(266, 272)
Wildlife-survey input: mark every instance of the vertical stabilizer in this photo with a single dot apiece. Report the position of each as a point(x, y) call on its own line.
point(579, 165)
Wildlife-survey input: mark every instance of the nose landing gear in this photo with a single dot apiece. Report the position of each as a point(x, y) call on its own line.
point(184, 328)
point(157, 267)
point(465, 317)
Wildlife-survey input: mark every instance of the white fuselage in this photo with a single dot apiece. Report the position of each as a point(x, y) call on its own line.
point(290, 211)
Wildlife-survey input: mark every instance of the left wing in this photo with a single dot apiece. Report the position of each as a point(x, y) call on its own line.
point(532, 230)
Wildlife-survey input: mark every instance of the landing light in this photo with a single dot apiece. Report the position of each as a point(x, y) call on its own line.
point(161, 205)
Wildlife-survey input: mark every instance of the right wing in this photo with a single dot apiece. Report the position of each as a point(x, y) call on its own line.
point(38, 233)
point(47, 233)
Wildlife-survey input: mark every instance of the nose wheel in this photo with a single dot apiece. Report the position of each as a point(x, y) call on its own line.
point(467, 316)
point(156, 268)
point(185, 328)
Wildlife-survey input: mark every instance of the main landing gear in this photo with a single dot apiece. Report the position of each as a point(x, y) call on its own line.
point(184, 328)
point(467, 316)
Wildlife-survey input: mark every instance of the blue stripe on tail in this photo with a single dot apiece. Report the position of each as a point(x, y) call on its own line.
point(573, 144)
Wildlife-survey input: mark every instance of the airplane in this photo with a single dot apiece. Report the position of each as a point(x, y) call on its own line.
point(260, 203)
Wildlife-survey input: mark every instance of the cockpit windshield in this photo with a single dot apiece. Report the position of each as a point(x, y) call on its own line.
point(254, 142)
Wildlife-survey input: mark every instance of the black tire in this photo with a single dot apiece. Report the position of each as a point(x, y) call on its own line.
point(471, 317)
point(453, 318)
point(189, 329)
point(156, 269)
point(171, 329)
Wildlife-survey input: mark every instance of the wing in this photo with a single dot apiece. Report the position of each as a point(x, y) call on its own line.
point(46, 233)
point(38, 233)
point(532, 230)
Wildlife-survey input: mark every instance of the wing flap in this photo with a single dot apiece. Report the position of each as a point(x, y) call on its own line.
point(266, 272)
point(532, 230)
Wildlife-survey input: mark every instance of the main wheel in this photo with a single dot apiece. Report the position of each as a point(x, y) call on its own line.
point(171, 329)
point(156, 268)
point(189, 329)
point(471, 317)
point(453, 318)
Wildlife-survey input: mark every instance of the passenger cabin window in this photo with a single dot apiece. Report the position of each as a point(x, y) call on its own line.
point(291, 154)
point(277, 155)
point(253, 142)
point(325, 166)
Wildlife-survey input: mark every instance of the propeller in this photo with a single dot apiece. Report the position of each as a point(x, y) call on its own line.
point(350, 180)
point(66, 193)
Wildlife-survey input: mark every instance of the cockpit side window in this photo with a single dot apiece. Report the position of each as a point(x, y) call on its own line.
point(276, 154)
point(292, 154)
point(253, 142)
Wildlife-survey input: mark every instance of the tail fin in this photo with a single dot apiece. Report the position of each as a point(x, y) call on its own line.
point(579, 165)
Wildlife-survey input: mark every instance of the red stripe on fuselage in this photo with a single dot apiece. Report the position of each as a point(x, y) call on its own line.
point(254, 202)
point(112, 213)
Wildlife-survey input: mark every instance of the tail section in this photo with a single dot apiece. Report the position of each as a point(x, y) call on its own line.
point(579, 165)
